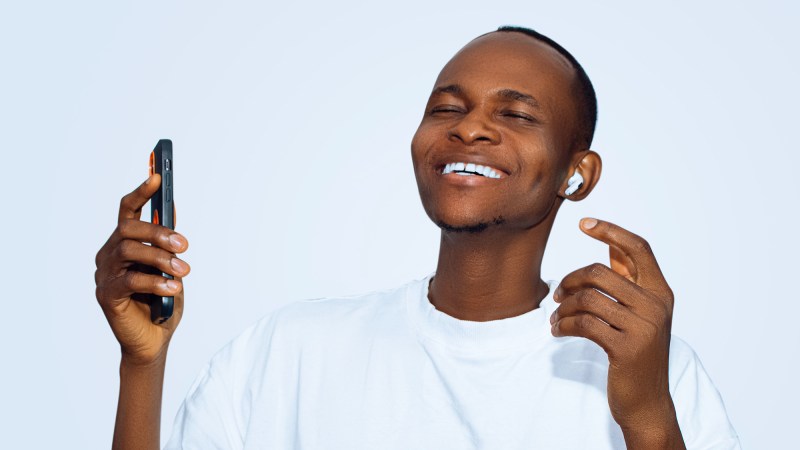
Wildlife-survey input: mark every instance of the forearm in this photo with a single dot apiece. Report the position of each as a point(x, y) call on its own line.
point(138, 424)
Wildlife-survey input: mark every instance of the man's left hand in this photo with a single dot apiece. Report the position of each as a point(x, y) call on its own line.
point(627, 310)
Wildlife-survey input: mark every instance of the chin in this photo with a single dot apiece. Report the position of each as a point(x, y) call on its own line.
point(473, 228)
point(465, 220)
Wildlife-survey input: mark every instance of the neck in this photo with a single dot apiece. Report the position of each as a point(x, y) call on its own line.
point(490, 275)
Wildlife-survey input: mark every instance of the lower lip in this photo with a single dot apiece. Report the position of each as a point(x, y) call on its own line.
point(468, 180)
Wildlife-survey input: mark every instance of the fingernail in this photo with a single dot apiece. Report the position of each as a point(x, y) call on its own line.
point(178, 265)
point(557, 294)
point(588, 223)
point(553, 318)
point(177, 241)
point(148, 179)
point(173, 285)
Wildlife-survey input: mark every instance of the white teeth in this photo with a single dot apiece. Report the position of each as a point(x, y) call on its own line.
point(467, 169)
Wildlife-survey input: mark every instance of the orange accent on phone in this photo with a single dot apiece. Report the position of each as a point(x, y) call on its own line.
point(152, 163)
point(155, 217)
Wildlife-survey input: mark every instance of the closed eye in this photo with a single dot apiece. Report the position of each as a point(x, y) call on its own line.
point(519, 115)
point(445, 109)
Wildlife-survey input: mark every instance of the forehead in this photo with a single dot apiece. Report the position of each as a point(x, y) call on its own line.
point(509, 60)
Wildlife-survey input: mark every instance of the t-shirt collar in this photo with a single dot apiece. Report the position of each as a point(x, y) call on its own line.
point(519, 332)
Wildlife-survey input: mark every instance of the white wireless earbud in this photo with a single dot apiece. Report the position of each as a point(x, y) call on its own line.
point(574, 183)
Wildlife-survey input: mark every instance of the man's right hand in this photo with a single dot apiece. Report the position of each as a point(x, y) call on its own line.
point(121, 275)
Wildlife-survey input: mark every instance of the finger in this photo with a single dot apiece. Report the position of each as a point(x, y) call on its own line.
point(157, 235)
point(177, 311)
point(590, 301)
point(646, 269)
point(589, 327)
point(134, 282)
point(130, 207)
point(139, 231)
point(129, 252)
point(621, 263)
point(601, 277)
point(101, 254)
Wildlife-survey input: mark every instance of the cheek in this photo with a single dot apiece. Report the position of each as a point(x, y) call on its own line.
point(541, 180)
point(542, 164)
point(418, 158)
point(421, 144)
point(416, 146)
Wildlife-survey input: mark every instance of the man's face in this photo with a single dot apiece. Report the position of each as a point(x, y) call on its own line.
point(503, 101)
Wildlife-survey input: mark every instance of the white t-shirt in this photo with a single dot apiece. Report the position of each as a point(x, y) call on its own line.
point(387, 370)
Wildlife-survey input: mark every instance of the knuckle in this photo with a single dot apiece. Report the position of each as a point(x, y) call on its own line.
point(125, 249)
point(584, 322)
point(669, 296)
point(641, 245)
point(125, 201)
point(595, 271)
point(124, 228)
point(583, 299)
point(130, 279)
point(666, 309)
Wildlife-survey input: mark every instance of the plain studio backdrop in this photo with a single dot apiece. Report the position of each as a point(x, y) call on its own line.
point(292, 126)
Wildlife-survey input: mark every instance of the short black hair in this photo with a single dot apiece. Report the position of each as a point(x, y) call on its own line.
point(585, 97)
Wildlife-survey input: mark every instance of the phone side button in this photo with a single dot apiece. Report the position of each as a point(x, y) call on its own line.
point(169, 195)
point(169, 178)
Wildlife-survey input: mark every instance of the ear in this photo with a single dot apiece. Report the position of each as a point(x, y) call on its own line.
point(589, 165)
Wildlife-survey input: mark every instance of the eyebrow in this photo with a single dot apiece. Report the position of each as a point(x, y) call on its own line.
point(449, 89)
point(511, 94)
point(508, 94)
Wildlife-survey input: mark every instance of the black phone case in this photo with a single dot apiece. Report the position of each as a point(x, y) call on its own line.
point(162, 212)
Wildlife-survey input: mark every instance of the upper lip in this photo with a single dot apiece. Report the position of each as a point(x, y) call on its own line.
point(471, 158)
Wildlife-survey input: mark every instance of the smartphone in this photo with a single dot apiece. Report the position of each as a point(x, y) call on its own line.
point(162, 212)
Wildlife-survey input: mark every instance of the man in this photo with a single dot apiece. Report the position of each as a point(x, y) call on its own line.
point(481, 354)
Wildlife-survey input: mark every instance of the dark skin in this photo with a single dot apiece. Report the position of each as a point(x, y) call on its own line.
point(494, 230)
point(502, 101)
point(143, 344)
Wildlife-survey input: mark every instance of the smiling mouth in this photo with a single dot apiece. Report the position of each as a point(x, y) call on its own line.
point(471, 169)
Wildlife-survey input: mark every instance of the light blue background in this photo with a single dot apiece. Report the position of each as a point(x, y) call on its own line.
point(299, 118)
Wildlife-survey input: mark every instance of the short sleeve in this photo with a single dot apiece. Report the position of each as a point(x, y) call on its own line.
point(701, 413)
point(207, 417)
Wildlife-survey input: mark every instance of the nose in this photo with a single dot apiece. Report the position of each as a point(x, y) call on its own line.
point(474, 128)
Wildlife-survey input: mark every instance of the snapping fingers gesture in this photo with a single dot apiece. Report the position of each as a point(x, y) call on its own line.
point(627, 310)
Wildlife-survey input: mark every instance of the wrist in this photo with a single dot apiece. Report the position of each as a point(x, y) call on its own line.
point(137, 363)
point(659, 431)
